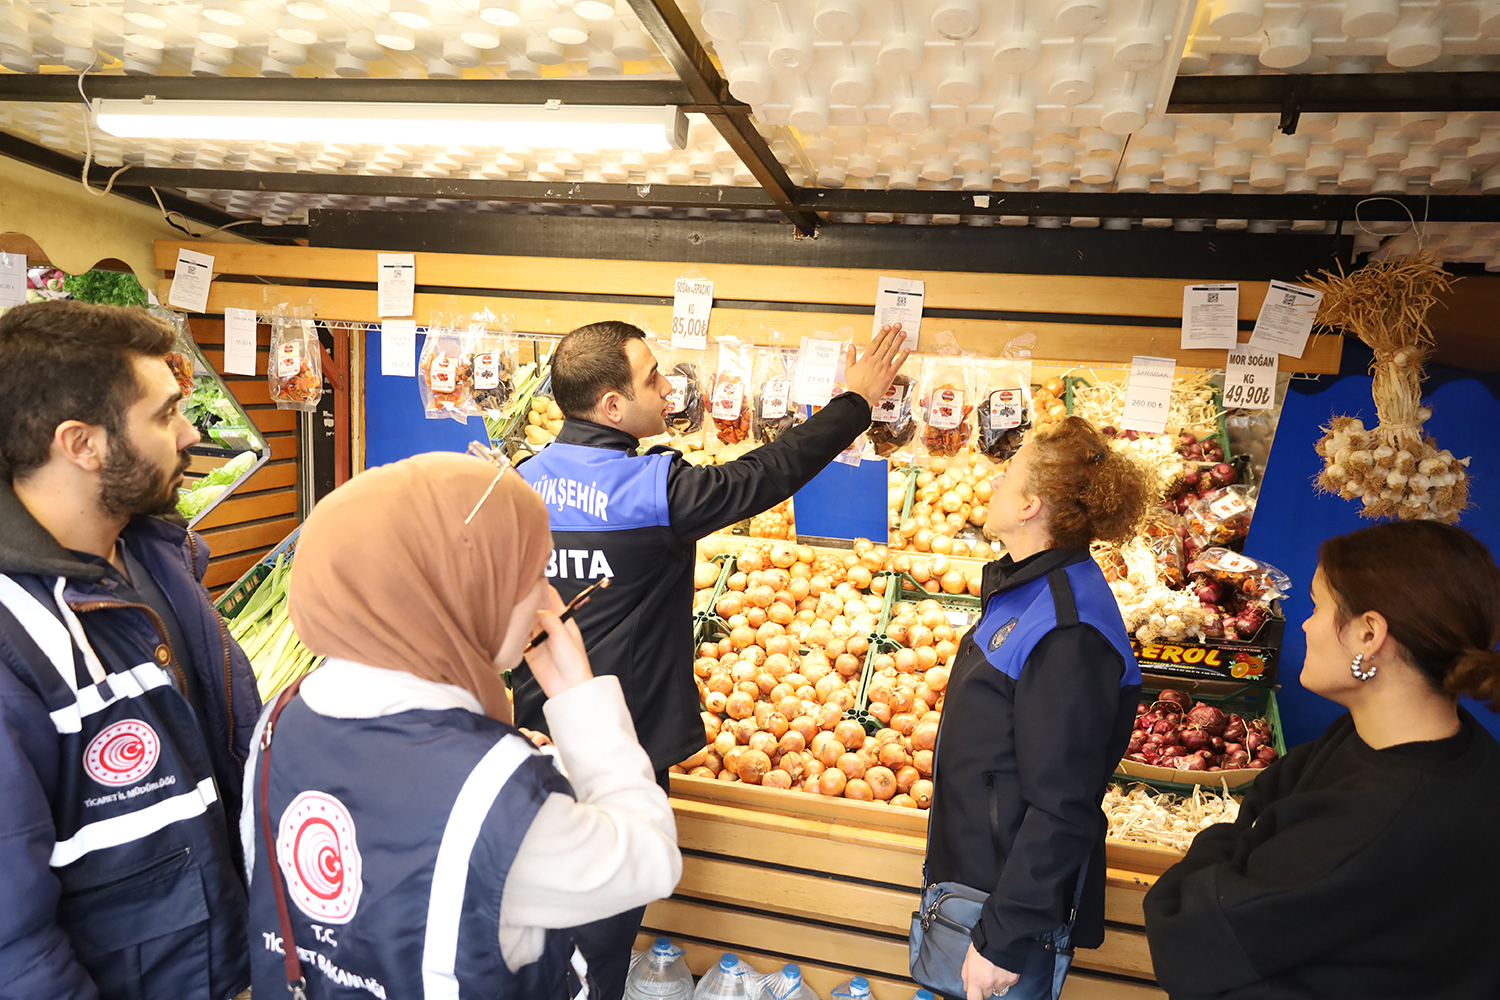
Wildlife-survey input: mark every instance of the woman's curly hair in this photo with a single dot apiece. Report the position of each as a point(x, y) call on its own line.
point(1091, 491)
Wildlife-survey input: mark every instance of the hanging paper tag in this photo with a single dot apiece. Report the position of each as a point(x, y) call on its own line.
point(444, 373)
point(1210, 316)
point(677, 398)
point(1006, 407)
point(487, 370)
point(899, 300)
point(888, 410)
point(239, 341)
point(691, 304)
point(13, 280)
point(1148, 395)
point(190, 285)
point(396, 284)
point(289, 359)
point(773, 399)
point(945, 411)
point(1233, 562)
point(1286, 319)
point(728, 399)
point(1227, 506)
point(398, 347)
point(1250, 380)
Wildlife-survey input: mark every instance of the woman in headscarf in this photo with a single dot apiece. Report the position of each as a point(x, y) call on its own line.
point(423, 846)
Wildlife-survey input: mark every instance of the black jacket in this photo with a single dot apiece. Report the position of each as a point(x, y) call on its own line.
point(1022, 761)
point(641, 628)
point(1351, 874)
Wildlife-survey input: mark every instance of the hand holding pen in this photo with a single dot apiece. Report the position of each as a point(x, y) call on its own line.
point(562, 662)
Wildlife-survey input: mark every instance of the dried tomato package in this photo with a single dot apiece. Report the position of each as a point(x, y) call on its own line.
point(1254, 580)
point(1221, 518)
point(444, 379)
point(684, 368)
point(180, 357)
point(729, 395)
point(893, 420)
point(492, 365)
point(1003, 409)
point(295, 368)
point(947, 405)
point(772, 412)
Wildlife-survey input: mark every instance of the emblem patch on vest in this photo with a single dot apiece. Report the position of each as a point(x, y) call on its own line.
point(122, 754)
point(316, 849)
point(1002, 633)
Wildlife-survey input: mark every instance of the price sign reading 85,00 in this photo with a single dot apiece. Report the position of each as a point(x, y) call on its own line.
point(691, 304)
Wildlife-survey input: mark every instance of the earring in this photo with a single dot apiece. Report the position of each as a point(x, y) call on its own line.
point(1020, 522)
point(1354, 668)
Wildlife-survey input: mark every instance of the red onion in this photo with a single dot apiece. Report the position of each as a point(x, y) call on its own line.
point(1137, 758)
point(1257, 765)
point(1171, 696)
point(1141, 708)
point(1191, 477)
point(1193, 737)
point(1267, 754)
point(1176, 751)
point(1236, 758)
point(1164, 726)
point(1217, 744)
point(1208, 717)
point(1208, 593)
point(1191, 763)
point(1235, 731)
point(1159, 740)
point(1253, 741)
point(1234, 748)
point(1224, 474)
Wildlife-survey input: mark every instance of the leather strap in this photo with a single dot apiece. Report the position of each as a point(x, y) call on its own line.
point(296, 982)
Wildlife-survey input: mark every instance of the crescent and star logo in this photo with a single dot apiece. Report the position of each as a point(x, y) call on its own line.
point(122, 754)
point(316, 849)
point(1002, 633)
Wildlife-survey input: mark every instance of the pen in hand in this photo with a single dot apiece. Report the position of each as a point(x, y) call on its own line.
point(577, 602)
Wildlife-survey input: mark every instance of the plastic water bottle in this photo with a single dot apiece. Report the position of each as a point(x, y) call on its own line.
point(661, 975)
point(857, 988)
point(786, 985)
point(731, 979)
point(923, 995)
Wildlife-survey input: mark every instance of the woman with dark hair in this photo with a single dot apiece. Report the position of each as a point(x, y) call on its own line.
point(1039, 709)
point(1366, 864)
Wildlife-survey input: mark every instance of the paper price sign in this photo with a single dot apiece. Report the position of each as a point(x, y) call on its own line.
point(398, 347)
point(13, 280)
point(239, 341)
point(1286, 319)
point(899, 300)
point(1250, 380)
point(691, 304)
point(1148, 394)
point(395, 284)
point(817, 370)
point(1210, 316)
point(194, 275)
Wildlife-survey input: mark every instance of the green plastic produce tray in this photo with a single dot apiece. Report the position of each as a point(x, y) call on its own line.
point(235, 598)
point(708, 619)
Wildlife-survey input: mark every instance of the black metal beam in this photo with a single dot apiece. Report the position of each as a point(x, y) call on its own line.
point(628, 92)
point(66, 166)
point(1367, 93)
point(459, 189)
point(669, 29)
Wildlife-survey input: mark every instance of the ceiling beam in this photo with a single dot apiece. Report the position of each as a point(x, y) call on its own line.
point(1367, 93)
point(53, 87)
point(669, 29)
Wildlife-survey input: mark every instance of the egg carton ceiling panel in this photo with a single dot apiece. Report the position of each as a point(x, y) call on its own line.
point(448, 39)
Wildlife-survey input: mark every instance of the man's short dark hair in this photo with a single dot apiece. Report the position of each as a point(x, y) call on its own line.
point(63, 361)
point(591, 361)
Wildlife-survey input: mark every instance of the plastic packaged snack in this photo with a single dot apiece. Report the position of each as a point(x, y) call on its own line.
point(729, 397)
point(1004, 410)
point(893, 420)
point(444, 378)
point(947, 405)
point(772, 412)
point(295, 368)
point(1252, 579)
point(180, 357)
point(492, 364)
point(1221, 517)
point(684, 368)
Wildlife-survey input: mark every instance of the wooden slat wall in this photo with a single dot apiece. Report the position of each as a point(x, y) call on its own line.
point(263, 510)
point(276, 270)
point(831, 884)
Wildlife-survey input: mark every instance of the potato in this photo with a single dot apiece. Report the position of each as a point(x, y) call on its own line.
point(555, 426)
point(537, 435)
point(534, 419)
point(553, 411)
point(539, 404)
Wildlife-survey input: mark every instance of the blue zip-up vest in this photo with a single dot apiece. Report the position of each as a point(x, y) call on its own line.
point(599, 489)
point(395, 836)
point(1015, 620)
point(138, 814)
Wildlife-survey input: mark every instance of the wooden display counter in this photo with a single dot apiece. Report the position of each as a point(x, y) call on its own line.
point(779, 876)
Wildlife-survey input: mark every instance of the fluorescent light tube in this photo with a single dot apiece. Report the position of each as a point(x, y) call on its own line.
point(647, 129)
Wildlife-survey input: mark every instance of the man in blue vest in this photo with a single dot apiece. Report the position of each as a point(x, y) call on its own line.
point(125, 708)
point(636, 519)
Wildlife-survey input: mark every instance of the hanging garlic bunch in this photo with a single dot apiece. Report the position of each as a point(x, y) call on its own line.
point(1392, 469)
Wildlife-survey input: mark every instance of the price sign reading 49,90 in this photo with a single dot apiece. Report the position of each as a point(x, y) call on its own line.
point(1243, 396)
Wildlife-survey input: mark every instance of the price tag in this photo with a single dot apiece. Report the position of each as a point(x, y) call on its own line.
point(1286, 319)
point(1250, 380)
point(691, 304)
point(1210, 316)
point(239, 341)
point(817, 370)
point(1006, 408)
point(888, 410)
point(289, 360)
point(899, 300)
point(398, 347)
point(677, 398)
point(195, 273)
point(773, 399)
point(1148, 394)
point(396, 284)
point(443, 375)
point(1233, 562)
point(728, 401)
point(1227, 506)
point(945, 410)
point(487, 370)
point(13, 280)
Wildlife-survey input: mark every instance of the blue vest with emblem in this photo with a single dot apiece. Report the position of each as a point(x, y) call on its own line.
point(1015, 620)
point(599, 489)
point(395, 836)
point(137, 814)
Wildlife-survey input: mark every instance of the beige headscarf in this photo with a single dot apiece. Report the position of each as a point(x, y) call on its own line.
point(388, 574)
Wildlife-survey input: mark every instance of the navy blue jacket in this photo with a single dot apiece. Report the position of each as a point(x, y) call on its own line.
point(120, 867)
point(1038, 711)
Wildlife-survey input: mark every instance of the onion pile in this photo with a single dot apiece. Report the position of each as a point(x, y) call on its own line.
point(1201, 738)
point(951, 496)
point(1047, 402)
point(774, 523)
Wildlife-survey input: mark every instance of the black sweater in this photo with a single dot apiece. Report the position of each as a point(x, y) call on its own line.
point(1351, 874)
